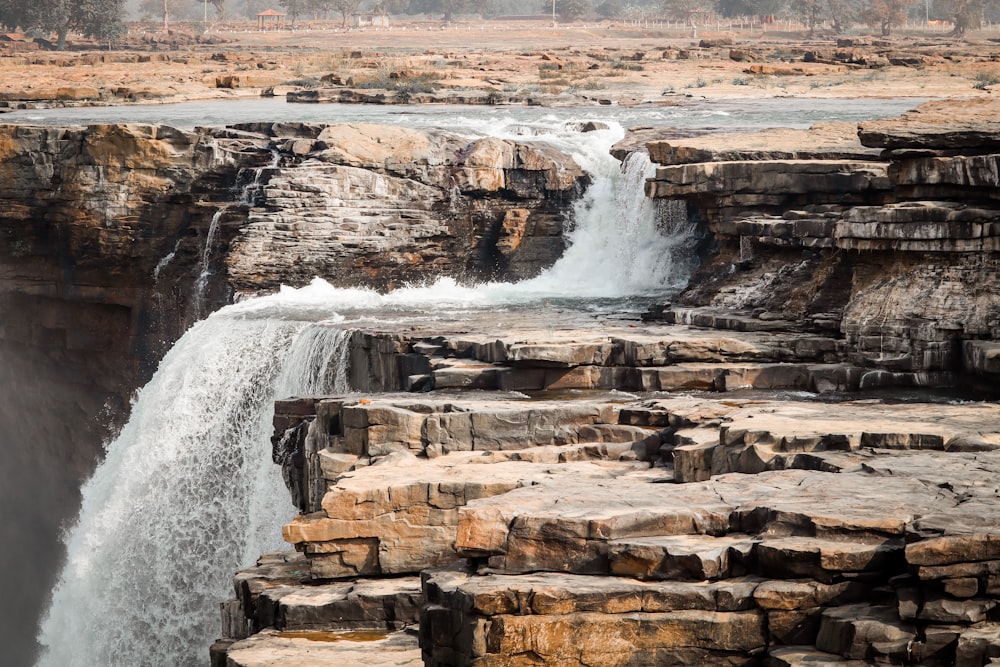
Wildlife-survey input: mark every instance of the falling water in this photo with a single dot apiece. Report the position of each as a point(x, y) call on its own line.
point(187, 493)
point(165, 261)
point(624, 243)
point(204, 264)
point(253, 191)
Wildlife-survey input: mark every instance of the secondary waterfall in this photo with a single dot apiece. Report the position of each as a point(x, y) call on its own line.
point(187, 494)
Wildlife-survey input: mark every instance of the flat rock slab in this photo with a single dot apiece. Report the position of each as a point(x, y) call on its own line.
point(569, 527)
point(365, 604)
point(823, 141)
point(573, 620)
point(841, 437)
point(807, 656)
point(322, 649)
point(402, 517)
point(941, 124)
point(792, 426)
point(528, 594)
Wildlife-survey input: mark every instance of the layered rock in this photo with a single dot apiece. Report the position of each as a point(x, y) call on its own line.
point(830, 533)
point(384, 206)
point(886, 233)
point(603, 529)
point(87, 218)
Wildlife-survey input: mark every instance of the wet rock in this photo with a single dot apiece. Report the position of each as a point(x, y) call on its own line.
point(393, 205)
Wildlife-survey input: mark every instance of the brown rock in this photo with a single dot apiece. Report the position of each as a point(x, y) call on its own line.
point(943, 124)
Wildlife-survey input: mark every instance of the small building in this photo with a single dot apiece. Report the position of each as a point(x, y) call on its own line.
point(270, 19)
point(370, 19)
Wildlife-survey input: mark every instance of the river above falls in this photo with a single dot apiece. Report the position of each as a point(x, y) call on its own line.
point(723, 114)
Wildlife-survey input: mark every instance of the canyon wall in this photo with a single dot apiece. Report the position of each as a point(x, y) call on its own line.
point(114, 239)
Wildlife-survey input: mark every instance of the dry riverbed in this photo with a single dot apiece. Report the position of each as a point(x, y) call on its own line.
point(499, 62)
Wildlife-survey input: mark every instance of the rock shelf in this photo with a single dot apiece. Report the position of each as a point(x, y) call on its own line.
point(831, 533)
point(873, 227)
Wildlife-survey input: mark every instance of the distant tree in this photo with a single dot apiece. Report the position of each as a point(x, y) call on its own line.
point(811, 12)
point(610, 9)
point(387, 7)
point(965, 15)
point(839, 13)
point(731, 8)
point(219, 6)
point(13, 13)
point(253, 7)
point(166, 9)
point(685, 10)
point(569, 10)
point(844, 13)
point(345, 8)
point(447, 8)
point(99, 19)
point(295, 8)
point(771, 7)
point(886, 14)
point(752, 7)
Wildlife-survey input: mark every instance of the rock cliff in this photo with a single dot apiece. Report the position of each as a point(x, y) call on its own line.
point(115, 238)
point(886, 233)
point(598, 528)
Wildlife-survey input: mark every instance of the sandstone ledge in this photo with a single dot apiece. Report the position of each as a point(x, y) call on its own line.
point(321, 649)
point(539, 550)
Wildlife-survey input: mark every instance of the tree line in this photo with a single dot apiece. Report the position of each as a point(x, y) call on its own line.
point(105, 19)
point(840, 15)
point(836, 15)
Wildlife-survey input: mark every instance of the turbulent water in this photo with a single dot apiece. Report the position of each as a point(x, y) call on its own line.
point(187, 494)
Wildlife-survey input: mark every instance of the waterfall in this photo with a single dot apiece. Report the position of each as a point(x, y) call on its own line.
point(204, 270)
point(165, 261)
point(624, 243)
point(187, 493)
point(251, 192)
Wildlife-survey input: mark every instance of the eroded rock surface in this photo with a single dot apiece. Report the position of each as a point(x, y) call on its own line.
point(819, 533)
point(114, 239)
point(383, 206)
